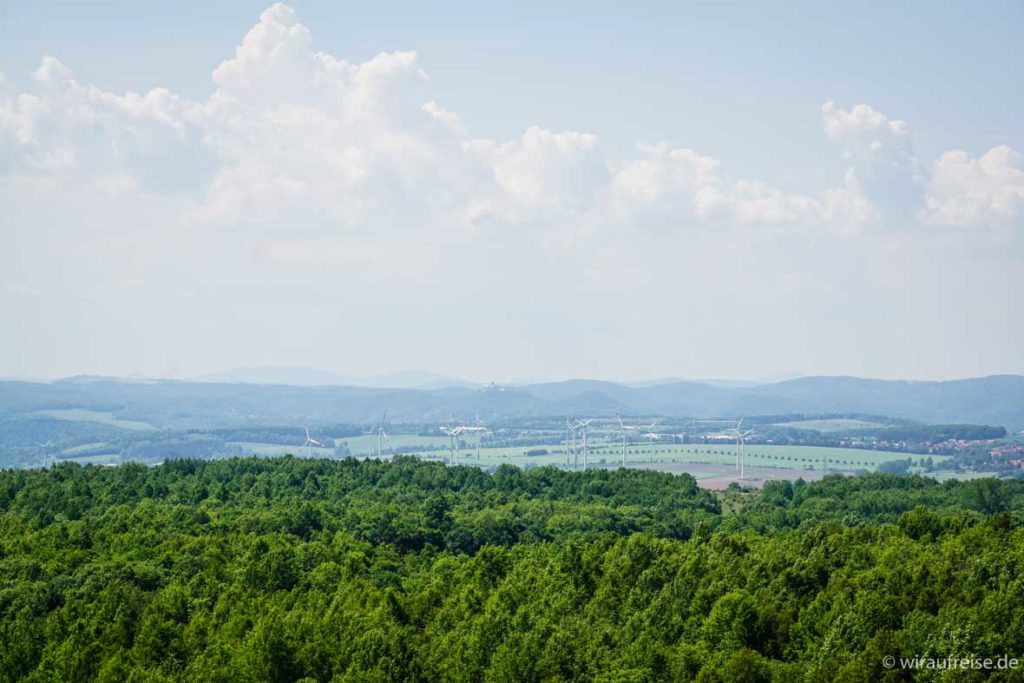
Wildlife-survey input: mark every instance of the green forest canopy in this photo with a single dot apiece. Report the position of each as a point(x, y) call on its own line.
point(289, 569)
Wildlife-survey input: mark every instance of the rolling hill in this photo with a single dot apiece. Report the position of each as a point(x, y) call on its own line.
point(997, 400)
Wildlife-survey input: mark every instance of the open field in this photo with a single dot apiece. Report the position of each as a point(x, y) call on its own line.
point(712, 465)
point(839, 458)
point(837, 425)
point(366, 444)
point(798, 457)
point(83, 415)
point(75, 450)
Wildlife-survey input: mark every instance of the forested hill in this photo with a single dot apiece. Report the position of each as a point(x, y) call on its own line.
point(997, 400)
point(319, 570)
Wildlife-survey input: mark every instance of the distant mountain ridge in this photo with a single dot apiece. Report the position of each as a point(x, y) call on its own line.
point(302, 377)
point(419, 379)
point(994, 400)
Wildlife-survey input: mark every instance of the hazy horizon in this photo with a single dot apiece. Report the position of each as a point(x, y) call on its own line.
point(418, 378)
point(582, 191)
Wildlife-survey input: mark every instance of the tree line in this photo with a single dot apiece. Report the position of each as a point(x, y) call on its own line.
point(290, 569)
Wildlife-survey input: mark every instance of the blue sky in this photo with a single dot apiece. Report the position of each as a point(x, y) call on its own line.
point(742, 84)
point(743, 80)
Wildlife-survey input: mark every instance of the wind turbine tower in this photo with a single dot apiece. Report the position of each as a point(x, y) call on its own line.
point(582, 426)
point(382, 433)
point(575, 453)
point(453, 442)
point(740, 441)
point(651, 436)
point(45, 447)
point(479, 429)
point(623, 428)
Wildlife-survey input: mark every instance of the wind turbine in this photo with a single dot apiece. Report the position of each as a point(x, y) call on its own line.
point(46, 450)
point(740, 436)
point(623, 428)
point(651, 437)
point(582, 426)
point(572, 431)
point(309, 443)
point(479, 429)
point(381, 432)
point(453, 442)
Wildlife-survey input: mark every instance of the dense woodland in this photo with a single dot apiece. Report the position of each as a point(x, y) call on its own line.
point(291, 569)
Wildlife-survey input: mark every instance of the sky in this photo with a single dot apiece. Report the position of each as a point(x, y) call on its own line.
point(508, 192)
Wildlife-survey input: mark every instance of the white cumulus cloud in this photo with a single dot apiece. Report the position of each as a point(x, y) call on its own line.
point(969, 192)
point(299, 142)
point(308, 191)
